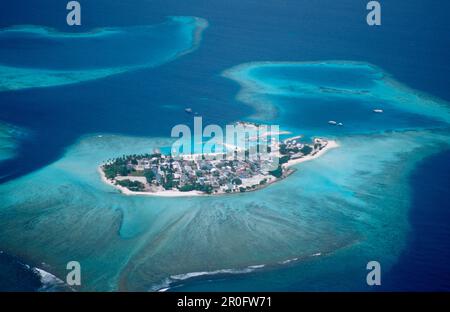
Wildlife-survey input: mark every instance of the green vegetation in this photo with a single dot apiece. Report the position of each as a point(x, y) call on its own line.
point(118, 166)
point(164, 172)
point(277, 173)
point(237, 181)
point(186, 188)
point(306, 149)
point(115, 169)
point(149, 175)
point(168, 183)
point(205, 188)
point(284, 159)
point(134, 186)
point(208, 189)
point(283, 149)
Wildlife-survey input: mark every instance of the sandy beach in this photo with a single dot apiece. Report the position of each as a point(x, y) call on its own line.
point(165, 193)
point(330, 145)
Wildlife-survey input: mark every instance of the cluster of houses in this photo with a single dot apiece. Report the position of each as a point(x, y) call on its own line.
point(191, 173)
point(292, 147)
point(159, 172)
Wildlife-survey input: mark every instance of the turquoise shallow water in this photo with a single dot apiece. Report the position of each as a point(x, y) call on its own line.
point(145, 243)
point(315, 230)
point(10, 137)
point(305, 96)
point(35, 56)
point(329, 218)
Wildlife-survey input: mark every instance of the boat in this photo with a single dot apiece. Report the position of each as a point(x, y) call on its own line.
point(377, 110)
point(332, 122)
point(188, 110)
point(340, 124)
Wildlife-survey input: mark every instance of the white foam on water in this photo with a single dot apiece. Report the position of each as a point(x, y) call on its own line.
point(165, 285)
point(49, 281)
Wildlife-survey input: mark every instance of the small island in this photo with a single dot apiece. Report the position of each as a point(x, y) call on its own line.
point(192, 175)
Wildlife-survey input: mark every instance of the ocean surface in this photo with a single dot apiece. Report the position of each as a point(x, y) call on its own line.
point(73, 97)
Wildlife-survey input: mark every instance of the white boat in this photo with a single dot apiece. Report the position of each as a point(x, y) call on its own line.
point(188, 110)
point(332, 122)
point(377, 110)
point(340, 124)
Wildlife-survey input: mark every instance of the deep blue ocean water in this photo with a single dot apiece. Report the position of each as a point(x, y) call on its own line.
point(300, 31)
point(412, 45)
point(424, 263)
point(422, 266)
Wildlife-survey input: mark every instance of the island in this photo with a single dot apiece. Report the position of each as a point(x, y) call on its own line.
point(157, 174)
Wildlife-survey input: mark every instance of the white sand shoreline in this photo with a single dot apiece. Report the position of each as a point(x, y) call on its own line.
point(175, 193)
point(165, 193)
point(330, 145)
